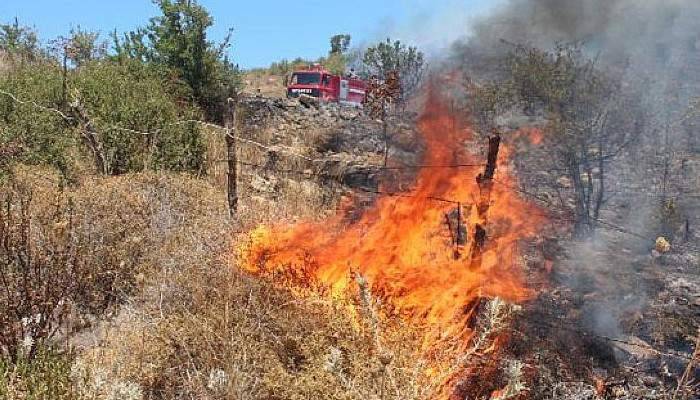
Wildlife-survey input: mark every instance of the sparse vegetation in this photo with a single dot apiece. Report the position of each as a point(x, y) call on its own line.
point(589, 114)
point(336, 61)
point(46, 375)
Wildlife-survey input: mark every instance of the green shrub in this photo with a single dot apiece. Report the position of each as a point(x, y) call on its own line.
point(142, 98)
point(115, 100)
point(27, 133)
point(46, 376)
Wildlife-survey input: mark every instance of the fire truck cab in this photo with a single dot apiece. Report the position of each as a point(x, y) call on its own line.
point(319, 83)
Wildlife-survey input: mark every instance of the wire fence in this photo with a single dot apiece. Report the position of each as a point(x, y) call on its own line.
point(221, 130)
point(284, 150)
point(312, 174)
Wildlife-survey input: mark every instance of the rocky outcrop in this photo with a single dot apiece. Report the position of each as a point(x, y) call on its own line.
point(323, 142)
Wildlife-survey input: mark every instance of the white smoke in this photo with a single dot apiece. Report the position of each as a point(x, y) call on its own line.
point(434, 26)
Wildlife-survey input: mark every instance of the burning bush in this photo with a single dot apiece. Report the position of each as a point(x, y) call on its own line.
point(403, 250)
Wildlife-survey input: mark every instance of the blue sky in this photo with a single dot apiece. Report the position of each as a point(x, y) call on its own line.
point(269, 30)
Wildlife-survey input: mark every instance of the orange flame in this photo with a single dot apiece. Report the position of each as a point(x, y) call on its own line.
point(402, 245)
point(532, 134)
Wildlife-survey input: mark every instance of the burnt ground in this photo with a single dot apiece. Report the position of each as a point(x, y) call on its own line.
point(614, 318)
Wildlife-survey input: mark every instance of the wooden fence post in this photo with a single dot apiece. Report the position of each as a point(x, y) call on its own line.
point(485, 182)
point(232, 161)
point(492, 160)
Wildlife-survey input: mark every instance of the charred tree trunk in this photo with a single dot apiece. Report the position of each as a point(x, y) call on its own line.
point(232, 160)
point(478, 243)
point(385, 132)
point(485, 182)
point(581, 221)
point(600, 198)
point(492, 160)
point(457, 229)
point(589, 187)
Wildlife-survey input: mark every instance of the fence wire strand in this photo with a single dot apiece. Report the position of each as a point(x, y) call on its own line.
point(279, 148)
point(282, 149)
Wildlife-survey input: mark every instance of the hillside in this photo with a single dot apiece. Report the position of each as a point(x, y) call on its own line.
point(513, 219)
point(265, 84)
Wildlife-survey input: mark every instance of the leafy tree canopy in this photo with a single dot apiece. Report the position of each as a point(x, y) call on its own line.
point(178, 39)
point(19, 41)
point(340, 44)
point(389, 56)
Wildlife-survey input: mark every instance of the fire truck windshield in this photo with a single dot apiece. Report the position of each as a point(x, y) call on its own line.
point(306, 78)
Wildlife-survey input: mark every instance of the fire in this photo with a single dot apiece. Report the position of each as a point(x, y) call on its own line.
point(402, 245)
point(534, 135)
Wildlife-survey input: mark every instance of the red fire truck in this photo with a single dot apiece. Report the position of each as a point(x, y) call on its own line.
point(317, 82)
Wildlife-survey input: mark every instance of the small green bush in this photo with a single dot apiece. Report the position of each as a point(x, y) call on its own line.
point(117, 99)
point(46, 376)
point(29, 134)
point(142, 98)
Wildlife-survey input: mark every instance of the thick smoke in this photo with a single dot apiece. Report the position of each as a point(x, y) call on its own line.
point(654, 47)
point(647, 34)
point(609, 22)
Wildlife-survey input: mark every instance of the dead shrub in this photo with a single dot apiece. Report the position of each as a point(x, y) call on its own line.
point(42, 269)
point(81, 251)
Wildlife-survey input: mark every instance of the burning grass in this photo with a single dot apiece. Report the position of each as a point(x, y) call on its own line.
point(403, 250)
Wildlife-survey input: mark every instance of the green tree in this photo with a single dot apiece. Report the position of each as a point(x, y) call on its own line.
point(19, 42)
point(340, 44)
point(335, 63)
point(387, 56)
point(178, 39)
point(83, 46)
point(591, 115)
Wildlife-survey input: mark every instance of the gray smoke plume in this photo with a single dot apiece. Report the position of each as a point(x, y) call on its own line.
point(654, 46)
point(646, 34)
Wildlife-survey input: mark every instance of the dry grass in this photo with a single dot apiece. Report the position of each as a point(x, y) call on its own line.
point(265, 84)
point(228, 336)
point(4, 63)
point(201, 329)
point(188, 325)
point(182, 322)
